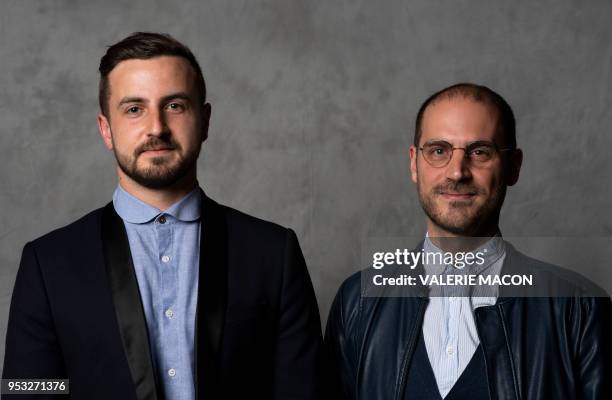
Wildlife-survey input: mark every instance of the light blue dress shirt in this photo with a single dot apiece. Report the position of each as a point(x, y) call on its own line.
point(165, 249)
point(449, 328)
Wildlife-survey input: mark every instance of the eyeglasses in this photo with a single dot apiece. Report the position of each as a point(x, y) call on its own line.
point(438, 153)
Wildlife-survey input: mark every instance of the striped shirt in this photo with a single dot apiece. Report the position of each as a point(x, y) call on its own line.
point(449, 329)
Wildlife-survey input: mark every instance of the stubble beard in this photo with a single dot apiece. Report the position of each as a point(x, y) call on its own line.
point(462, 218)
point(161, 172)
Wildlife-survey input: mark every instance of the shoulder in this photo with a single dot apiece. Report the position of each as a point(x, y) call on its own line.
point(350, 306)
point(552, 280)
point(57, 254)
point(349, 293)
point(84, 228)
point(241, 226)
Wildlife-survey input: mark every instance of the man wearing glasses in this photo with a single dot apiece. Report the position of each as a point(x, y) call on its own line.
point(488, 346)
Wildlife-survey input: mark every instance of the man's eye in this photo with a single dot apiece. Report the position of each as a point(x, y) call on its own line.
point(133, 110)
point(175, 106)
point(480, 151)
point(437, 150)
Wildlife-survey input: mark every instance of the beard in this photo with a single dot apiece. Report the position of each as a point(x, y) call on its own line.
point(162, 171)
point(465, 218)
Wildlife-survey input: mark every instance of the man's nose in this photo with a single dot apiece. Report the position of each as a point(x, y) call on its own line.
point(157, 123)
point(458, 167)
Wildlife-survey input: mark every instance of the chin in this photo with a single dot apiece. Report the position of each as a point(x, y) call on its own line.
point(458, 224)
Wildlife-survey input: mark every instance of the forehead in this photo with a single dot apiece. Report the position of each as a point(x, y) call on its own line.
point(459, 120)
point(152, 77)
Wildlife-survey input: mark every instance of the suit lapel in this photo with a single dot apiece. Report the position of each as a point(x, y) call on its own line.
point(128, 305)
point(212, 300)
point(493, 334)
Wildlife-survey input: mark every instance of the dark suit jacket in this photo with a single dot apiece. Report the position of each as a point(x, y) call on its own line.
point(76, 312)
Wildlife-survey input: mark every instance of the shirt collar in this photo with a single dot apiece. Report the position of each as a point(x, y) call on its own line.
point(492, 250)
point(136, 211)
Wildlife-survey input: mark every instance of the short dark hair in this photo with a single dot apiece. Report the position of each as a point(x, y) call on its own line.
point(506, 122)
point(143, 46)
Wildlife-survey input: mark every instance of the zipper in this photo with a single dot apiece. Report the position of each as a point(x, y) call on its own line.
point(410, 349)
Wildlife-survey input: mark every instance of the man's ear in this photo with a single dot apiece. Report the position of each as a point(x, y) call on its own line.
point(514, 167)
point(206, 112)
point(413, 163)
point(105, 131)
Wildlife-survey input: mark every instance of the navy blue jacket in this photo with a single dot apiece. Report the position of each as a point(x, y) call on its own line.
point(76, 312)
point(535, 347)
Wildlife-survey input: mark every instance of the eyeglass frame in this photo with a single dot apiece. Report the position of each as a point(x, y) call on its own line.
point(465, 150)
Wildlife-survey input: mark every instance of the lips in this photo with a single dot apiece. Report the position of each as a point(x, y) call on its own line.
point(157, 150)
point(458, 195)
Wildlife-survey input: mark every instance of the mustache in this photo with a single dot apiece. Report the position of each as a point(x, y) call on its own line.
point(457, 187)
point(156, 143)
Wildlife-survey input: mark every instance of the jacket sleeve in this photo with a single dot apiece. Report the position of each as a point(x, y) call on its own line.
point(594, 359)
point(32, 349)
point(340, 368)
point(299, 349)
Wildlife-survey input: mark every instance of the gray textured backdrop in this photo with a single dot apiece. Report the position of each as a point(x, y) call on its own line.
point(313, 107)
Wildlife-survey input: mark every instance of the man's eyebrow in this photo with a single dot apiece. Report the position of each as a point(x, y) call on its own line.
point(433, 141)
point(476, 142)
point(175, 96)
point(165, 99)
point(133, 99)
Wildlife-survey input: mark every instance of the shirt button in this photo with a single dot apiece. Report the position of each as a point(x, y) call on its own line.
point(450, 351)
point(165, 259)
point(169, 313)
point(171, 372)
point(162, 220)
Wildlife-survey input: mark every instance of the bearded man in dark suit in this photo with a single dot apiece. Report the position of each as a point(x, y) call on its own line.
point(164, 293)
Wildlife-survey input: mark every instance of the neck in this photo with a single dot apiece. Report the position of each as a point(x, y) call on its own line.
point(453, 242)
point(161, 198)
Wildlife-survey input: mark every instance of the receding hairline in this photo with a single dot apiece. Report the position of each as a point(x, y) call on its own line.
point(466, 95)
point(478, 94)
point(487, 103)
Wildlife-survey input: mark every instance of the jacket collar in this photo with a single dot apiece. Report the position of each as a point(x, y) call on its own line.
point(491, 251)
point(128, 305)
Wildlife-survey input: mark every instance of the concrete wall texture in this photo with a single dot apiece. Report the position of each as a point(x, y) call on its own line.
point(313, 107)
